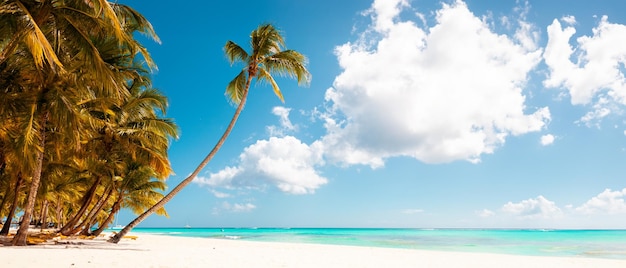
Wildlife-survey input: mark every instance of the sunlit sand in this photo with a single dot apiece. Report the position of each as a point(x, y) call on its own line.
point(143, 250)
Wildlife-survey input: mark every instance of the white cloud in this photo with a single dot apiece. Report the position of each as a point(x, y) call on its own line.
point(611, 202)
point(221, 178)
point(547, 139)
point(242, 207)
point(284, 162)
point(539, 207)
point(219, 194)
point(592, 71)
point(385, 12)
point(235, 208)
point(285, 124)
point(593, 117)
point(526, 33)
point(450, 92)
point(571, 20)
point(485, 213)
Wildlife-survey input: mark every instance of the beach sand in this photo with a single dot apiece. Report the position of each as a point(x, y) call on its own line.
point(166, 251)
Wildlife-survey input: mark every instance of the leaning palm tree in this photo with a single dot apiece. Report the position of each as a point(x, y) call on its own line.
point(267, 57)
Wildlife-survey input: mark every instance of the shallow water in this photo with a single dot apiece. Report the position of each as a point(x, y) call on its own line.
point(583, 243)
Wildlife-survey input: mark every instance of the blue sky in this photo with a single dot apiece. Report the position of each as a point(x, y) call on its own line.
point(420, 114)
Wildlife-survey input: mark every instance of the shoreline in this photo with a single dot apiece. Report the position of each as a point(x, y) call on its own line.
point(151, 250)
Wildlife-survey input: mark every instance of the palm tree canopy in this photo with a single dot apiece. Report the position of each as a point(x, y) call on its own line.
point(74, 81)
point(267, 57)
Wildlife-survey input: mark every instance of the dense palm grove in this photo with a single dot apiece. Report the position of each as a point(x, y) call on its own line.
point(82, 132)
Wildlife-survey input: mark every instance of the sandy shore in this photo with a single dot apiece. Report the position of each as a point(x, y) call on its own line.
point(166, 251)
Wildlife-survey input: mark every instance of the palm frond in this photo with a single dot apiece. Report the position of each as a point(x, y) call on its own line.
point(133, 21)
point(265, 76)
point(235, 53)
point(289, 63)
point(39, 46)
point(236, 87)
point(90, 53)
point(106, 11)
point(266, 40)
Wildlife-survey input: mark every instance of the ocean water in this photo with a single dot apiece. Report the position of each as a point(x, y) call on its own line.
point(581, 243)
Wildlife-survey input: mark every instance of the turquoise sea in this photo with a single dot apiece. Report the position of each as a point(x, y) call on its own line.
point(536, 242)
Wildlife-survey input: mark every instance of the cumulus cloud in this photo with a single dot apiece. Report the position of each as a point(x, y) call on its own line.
point(592, 70)
point(285, 162)
point(547, 139)
point(385, 13)
point(611, 202)
point(533, 208)
point(449, 92)
point(526, 33)
point(285, 124)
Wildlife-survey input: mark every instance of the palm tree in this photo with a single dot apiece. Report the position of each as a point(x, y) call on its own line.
point(137, 191)
point(60, 42)
point(267, 57)
point(130, 132)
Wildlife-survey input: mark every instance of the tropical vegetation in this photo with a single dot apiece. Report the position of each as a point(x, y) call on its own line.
point(82, 131)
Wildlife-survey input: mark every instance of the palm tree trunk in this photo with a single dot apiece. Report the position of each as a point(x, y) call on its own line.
point(5, 197)
point(71, 224)
point(117, 237)
point(7, 224)
point(109, 219)
point(22, 232)
point(44, 215)
point(57, 210)
point(91, 217)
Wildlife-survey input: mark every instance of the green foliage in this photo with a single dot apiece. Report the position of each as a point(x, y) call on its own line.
point(73, 75)
point(267, 58)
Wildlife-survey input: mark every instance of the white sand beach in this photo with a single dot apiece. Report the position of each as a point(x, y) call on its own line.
point(167, 251)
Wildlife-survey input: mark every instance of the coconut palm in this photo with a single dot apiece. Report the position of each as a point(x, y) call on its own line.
point(136, 190)
point(56, 45)
point(63, 189)
point(267, 58)
point(131, 132)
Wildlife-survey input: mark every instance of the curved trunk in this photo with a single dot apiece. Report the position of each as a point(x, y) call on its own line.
point(7, 224)
point(109, 219)
point(91, 218)
point(22, 232)
point(117, 237)
point(71, 224)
